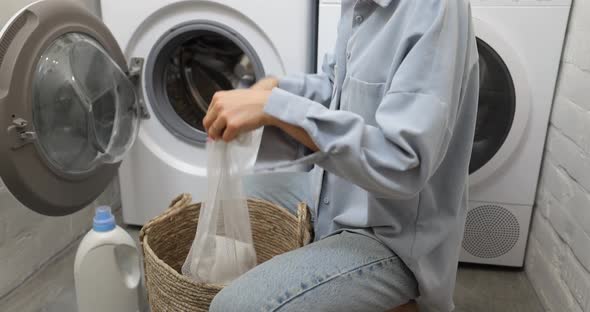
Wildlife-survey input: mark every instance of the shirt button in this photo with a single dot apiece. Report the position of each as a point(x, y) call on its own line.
point(359, 19)
point(326, 200)
point(348, 54)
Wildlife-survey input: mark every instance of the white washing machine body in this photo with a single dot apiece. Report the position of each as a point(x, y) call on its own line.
point(163, 164)
point(520, 45)
point(78, 95)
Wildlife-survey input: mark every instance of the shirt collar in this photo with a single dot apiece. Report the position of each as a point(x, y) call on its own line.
point(383, 3)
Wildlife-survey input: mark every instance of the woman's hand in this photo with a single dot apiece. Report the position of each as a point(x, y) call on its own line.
point(267, 84)
point(233, 112)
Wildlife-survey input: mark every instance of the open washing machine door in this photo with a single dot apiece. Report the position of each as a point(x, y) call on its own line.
point(69, 109)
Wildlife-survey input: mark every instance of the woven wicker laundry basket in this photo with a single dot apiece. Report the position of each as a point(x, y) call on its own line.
point(166, 241)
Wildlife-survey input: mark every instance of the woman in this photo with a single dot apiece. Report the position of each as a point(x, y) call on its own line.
point(389, 127)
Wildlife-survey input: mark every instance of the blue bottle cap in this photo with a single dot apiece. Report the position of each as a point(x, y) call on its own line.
point(104, 220)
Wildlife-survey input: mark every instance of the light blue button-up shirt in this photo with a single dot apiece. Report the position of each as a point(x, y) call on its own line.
point(393, 115)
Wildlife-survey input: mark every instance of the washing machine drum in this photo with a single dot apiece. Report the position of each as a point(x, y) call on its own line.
point(201, 67)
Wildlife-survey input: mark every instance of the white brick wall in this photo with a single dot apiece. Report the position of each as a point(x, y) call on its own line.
point(558, 256)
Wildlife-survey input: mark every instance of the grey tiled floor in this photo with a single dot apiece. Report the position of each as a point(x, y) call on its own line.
point(489, 289)
point(479, 289)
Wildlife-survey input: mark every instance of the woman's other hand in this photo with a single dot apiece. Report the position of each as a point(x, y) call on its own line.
point(266, 84)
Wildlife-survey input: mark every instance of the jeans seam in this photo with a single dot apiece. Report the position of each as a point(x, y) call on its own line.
point(331, 278)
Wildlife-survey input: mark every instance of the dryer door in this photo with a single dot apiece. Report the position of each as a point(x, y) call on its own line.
point(68, 111)
point(504, 104)
point(496, 108)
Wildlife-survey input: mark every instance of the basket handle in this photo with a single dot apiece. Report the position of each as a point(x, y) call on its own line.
point(177, 203)
point(305, 230)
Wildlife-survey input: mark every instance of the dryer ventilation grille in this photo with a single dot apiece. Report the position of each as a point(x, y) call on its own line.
point(490, 231)
point(9, 35)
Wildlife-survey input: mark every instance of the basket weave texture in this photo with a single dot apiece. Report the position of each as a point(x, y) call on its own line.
point(166, 241)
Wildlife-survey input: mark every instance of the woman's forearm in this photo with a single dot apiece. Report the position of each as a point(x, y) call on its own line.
point(296, 133)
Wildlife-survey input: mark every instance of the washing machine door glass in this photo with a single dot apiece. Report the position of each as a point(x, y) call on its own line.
point(68, 109)
point(496, 109)
point(83, 106)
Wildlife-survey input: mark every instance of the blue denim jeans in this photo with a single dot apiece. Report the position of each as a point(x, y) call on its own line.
point(343, 272)
point(347, 271)
point(286, 189)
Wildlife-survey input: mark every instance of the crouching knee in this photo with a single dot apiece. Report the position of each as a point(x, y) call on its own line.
point(234, 299)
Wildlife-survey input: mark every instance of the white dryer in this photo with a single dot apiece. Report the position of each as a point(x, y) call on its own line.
point(76, 92)
point(520, 45)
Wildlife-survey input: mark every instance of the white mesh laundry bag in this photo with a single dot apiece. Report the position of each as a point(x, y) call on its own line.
point(223, 247)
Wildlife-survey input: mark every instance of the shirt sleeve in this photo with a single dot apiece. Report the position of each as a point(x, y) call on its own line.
point(278, 148)
point(414, 120)
point(316, 87)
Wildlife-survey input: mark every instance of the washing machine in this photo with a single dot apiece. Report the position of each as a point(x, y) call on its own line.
point(182, 42)
point(79, 95)
point(520, 45)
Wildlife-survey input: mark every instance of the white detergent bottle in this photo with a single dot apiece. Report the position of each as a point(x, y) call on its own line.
point(106, 270)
